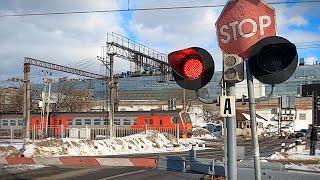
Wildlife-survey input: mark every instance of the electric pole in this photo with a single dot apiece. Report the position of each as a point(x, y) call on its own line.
point(26, 100)
point(43, 105)
point(111, 95)
point(49, 81)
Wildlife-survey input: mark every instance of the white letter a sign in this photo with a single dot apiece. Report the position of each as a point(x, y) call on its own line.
point(227, 106)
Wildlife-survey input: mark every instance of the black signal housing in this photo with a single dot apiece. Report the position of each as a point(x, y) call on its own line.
point(192, 68)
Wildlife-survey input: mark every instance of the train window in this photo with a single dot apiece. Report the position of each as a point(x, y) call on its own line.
point(146, 121)
point(135, 122)
point(175, 120)
point(116, 122)
point(186, 117)
point(4, 122)
point(69, 122)
point(78, 122)
point(87, 122)
point(20, 123)
point(151, 121)
point(106, 122)
point(96, 121)
point(160, 122)
point(12, 122)
point(126, 122)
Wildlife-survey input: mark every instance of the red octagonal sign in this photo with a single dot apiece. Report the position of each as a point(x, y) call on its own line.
point(242, 23)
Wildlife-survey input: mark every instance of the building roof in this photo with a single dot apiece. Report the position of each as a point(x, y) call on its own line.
point(241, 117)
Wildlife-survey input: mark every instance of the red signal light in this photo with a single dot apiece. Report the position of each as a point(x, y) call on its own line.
point(192, 68)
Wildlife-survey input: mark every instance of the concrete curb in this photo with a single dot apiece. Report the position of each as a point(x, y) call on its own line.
point(81, 161)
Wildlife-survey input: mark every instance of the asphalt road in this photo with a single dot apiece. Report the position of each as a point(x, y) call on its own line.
point(100, 173)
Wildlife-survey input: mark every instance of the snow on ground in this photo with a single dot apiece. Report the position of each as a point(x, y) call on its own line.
point(302, 167)
point(202, 133)
point(151, 142)
point(9, 151)
point(296, 156)
point(17, 143)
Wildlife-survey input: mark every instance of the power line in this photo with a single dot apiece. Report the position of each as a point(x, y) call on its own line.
point(144, 9)
point(299, 45)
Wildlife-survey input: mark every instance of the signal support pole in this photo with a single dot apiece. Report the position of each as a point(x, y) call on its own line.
point(231, 139)
point(252, 108)
point(184, 100)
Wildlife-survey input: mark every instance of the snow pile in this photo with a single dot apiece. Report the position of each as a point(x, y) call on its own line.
point(17, 143)
point(302, 167)
point(296, 156)
point(277, 156)
point(202, 133)
point(9, 151)
point(151, 142)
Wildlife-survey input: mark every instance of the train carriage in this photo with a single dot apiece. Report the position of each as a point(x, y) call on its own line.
point(135, 120)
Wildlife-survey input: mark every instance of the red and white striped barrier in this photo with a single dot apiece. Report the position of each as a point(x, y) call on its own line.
point(81, 161)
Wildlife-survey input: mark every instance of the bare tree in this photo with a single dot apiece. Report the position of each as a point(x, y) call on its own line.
point(71, 99)
point(11, 99)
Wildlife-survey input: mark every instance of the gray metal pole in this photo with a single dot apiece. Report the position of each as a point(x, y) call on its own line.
point(231, 136)
point(280, 116)
point(48, 105)
point(184, 100)
point(225, 148)
point(252, 108)
point(43, 99)
point(111, 87)
point(26, 100)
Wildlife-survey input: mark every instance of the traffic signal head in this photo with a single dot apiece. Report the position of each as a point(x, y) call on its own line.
point(273, 60)
point(233, 68)
point(192, 68)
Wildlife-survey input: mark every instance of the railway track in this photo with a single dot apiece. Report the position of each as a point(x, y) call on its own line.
point(267, 147)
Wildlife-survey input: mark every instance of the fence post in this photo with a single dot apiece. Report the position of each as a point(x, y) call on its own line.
point(61, 131)
point(11, 133)
point(178, 134)
point(146, 127)
point(34, 132)
point(87, 130)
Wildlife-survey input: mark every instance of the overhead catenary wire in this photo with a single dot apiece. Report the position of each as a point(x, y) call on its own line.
point(299, 45)
point(144, 9)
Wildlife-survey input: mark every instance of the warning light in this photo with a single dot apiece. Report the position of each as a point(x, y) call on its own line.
point(233, 68)
point(192, 68)
point(273, 60)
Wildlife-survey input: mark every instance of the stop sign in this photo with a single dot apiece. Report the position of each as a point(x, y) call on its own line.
point(242, 23)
